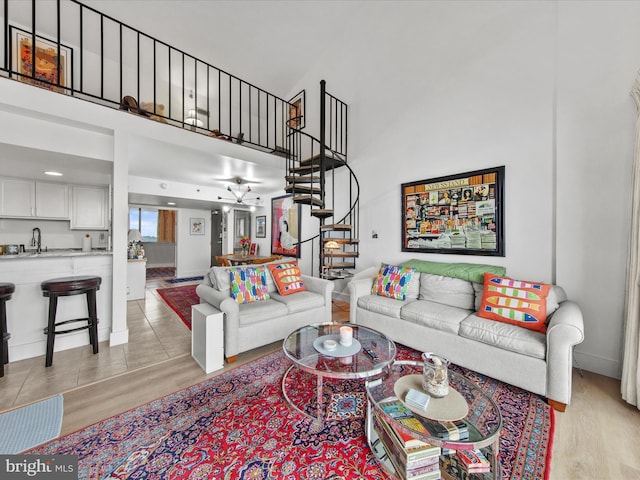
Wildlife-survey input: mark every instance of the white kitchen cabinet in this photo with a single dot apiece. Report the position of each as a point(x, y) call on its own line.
point(89, 207)
point(136, 278)
point(17, 197)
point(28, 199)
point(52, 200)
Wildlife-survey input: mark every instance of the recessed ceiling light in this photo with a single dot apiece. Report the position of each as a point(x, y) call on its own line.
point(171, 203)
point(53, 174)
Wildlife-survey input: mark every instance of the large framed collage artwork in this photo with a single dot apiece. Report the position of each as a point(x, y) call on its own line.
point(456, 214)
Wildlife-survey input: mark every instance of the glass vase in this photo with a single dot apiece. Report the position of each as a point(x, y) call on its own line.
point(435, 376)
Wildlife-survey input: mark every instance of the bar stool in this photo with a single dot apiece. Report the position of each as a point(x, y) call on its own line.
point(64, 287)
point(6, 290)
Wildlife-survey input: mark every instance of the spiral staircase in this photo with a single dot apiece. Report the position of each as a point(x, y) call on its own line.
point(319, 177)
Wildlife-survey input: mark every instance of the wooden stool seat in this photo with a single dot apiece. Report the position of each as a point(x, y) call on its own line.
point(6, 290)
point(64, 287)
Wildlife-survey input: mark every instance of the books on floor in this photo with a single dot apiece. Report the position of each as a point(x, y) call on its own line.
point(414, 463)
point(414, 459)
point(453, 468)
point(473, 461)
point(401, 414)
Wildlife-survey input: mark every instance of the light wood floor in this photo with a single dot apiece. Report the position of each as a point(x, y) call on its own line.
point(598, 437)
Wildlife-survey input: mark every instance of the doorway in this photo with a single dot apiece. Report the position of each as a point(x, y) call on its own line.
point(217, 234)
point(242, 228)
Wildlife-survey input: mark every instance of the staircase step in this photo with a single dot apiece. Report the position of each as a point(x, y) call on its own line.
point(341, 255)
point(302, 189)
point(321, 212)
point(336, 226)
point(308, 200)
point(330, 161)
point(341, 241)
point(339, 265)
point(302, 179)
point(305, 170)
point(312, 164)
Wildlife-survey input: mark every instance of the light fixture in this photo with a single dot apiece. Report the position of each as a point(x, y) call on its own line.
point(192, 114)
point(192, 118)
point(239, 194)
point(331, 245)
point(171, 203)
point(53, 173)
point(135, 236)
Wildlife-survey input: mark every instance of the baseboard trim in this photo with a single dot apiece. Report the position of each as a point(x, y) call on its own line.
point(600, 365)
point(118, 338)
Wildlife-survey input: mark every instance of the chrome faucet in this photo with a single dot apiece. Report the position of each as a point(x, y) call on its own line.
point(36, 242)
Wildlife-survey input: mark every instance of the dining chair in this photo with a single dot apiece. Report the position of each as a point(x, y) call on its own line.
point(222, 261)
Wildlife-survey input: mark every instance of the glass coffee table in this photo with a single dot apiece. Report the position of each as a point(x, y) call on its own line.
point(476, 426)
point(303, 383)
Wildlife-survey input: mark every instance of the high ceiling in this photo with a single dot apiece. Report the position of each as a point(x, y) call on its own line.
point(270, 44)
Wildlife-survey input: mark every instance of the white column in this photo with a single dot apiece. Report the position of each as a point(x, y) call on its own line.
point(119, 230)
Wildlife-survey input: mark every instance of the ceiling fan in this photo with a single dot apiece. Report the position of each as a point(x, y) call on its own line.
point(239, 194)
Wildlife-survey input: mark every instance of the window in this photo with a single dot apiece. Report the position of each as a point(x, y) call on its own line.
point(146, 221)
point(154, 225)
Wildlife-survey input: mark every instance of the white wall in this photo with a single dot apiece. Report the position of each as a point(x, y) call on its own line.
point(437, 88)
point(598, 58)
point(55, 234)
point(193, 252)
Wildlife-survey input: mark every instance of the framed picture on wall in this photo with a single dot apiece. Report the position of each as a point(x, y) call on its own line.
point(285, 226)
point(297, 111)
point(457, 214)
point(261, 226)
point(47, 74)
point(196, 226)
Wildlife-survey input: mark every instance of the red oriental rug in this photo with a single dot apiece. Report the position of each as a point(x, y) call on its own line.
point(180, 300)
point(237, 425)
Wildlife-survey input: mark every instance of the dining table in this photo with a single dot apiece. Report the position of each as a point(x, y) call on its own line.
point(240, 259)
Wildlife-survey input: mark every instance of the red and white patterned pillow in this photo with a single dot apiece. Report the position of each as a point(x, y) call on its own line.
point(287, 277)
point(515, 302)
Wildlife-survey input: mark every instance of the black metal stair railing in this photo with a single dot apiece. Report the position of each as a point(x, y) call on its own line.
point(104, 60)
point(314, 179)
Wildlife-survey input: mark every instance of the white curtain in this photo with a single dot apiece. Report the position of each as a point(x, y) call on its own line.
point(630, 386)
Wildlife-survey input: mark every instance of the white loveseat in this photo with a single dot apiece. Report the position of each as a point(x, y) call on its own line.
point(251, 325)
point(438, 315)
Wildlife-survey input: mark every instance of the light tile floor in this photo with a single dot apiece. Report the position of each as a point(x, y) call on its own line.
point(156, 334)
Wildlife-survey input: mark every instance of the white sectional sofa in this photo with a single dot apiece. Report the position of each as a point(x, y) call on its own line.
point(251, 325)
point(439, 315)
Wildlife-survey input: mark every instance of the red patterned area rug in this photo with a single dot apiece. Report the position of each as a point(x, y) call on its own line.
point(180, 300)
point(238, 426)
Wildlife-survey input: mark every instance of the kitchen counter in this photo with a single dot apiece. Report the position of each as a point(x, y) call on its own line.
point(27, 311)
point(56, 252)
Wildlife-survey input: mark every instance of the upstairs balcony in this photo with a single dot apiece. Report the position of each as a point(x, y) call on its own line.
point(89, 55)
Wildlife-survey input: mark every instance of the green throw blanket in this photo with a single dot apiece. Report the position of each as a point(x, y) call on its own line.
point(471, 272)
